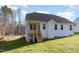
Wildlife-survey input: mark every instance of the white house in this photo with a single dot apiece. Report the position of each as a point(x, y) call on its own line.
point(76, 27)
point(41, 26)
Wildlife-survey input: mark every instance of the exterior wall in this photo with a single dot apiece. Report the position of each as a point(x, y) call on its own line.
point(50, 31)
point(26, 31)
point(76, 27)
point(44, 32)
point(58, 33)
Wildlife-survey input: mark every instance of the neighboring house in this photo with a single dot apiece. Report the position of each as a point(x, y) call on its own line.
point(41, 26)
point(76, 26)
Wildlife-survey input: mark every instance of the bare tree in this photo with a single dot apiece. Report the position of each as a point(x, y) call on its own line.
point(19, 11)
point(6, 12)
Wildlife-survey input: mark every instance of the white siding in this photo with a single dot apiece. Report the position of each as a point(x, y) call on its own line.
point(60, 33)
point(26, 31)
point(50, 31)
point(76, 28)
point(44, 32)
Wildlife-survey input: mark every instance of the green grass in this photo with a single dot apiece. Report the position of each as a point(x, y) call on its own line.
point(60, 45)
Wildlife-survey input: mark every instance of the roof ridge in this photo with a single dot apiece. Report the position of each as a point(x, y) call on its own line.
point(47, 17)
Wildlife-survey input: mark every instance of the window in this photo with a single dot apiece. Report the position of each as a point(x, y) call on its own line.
point(34, 27)
point(61, 27)
point(55, 26)
point(70, 27)
point(30, 26)
point(44, 27)
point(74, 24)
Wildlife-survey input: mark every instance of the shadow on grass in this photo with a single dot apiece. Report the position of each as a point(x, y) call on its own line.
point(9, 45)
point(17, 43)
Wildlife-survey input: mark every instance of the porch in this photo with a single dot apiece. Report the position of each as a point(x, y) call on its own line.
point(34, 33)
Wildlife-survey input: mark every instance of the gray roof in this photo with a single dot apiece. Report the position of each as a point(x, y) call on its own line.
point(46, 17)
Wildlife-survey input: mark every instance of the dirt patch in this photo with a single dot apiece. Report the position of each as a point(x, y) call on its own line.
point(9, 37)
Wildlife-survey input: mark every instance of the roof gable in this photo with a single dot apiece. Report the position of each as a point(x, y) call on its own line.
point(46, 17)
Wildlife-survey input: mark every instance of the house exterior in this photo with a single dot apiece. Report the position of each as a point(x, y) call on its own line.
point(76, 26)
point(47, 26)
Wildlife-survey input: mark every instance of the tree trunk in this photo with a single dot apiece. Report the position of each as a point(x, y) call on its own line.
point(4, 26)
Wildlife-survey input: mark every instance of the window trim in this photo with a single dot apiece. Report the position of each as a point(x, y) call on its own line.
point(55, 26)
point(61, 27)
point(70, 27)
point(34, 27)
point(44, 26)
point(31, 26)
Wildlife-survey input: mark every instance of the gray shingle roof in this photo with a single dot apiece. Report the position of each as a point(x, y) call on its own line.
point(46, 17)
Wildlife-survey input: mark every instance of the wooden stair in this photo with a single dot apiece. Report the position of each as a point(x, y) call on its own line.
point(39, 37)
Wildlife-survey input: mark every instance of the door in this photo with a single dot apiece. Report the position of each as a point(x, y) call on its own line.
point(34, 27)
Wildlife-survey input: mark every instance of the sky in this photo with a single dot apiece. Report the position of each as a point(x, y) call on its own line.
point(71, 12)
point(23, 10)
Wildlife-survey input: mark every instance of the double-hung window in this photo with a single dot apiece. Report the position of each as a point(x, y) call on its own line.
point(44, 26)
point(61, 27)
point(55, 26)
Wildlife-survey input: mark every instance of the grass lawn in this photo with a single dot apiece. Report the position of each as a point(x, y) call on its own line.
point(60, 45)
